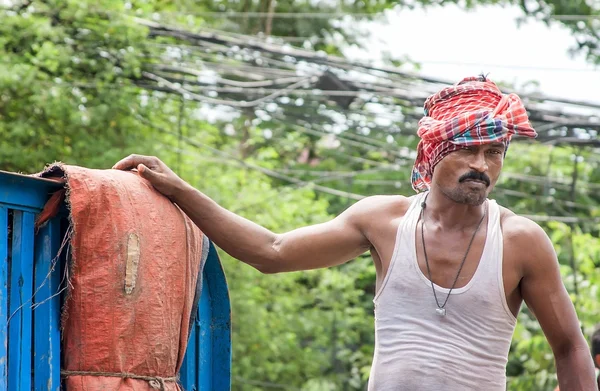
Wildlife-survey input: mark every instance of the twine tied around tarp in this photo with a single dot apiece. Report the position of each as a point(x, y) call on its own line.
point(156, 382)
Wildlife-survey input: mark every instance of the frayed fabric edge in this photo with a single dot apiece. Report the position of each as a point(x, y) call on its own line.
point(57, 170)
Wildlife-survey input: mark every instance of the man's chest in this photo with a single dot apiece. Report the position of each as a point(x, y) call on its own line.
point(441, 255)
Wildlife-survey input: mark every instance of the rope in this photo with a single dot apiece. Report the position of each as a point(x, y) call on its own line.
point(156, 382)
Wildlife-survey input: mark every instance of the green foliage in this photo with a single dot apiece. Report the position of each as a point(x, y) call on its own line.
point(70, 90)
point(59, 71)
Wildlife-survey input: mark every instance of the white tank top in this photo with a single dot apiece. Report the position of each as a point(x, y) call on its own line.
point(418, 350)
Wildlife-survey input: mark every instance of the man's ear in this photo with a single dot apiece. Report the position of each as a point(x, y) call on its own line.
point(597, 360)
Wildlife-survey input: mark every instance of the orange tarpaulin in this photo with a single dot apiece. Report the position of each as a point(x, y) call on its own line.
point(133, 276)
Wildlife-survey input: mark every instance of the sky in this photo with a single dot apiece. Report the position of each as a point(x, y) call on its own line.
point(450, 44)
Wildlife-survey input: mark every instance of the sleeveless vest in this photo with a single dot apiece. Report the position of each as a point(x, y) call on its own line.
point(419, 350)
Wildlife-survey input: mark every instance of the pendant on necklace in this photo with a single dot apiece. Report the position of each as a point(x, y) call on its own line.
point(440, 311)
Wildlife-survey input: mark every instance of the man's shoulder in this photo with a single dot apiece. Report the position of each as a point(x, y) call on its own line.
point(527, 243)
point(513, 223)
point(385, 203)
point(518, 229)
point(379, 206)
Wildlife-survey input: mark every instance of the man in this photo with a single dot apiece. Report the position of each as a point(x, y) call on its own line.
point(453, 267)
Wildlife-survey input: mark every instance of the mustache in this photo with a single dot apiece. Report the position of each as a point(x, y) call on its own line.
point(476, 176)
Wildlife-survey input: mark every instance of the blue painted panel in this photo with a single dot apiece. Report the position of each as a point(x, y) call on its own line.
point(220, 324)
point(46, 315)
point(209, 349)
point(21, 290)
point(3, 298)
point(190, 363)
point(205, 346)
point(25, 192)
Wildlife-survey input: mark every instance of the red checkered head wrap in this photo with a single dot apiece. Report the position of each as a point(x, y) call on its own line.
point(472, 112)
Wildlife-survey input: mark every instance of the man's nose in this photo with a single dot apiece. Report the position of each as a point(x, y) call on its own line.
point(478, 162)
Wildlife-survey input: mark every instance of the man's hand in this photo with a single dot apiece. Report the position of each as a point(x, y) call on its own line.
point(317, 246)
point(155, 171)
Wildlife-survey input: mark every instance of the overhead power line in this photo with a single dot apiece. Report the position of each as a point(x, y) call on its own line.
point(344, 194)
point(256, 102)
point(249, 42)
point(354, 196)
point(266, 171)
point(337, 14)
point(303, 15)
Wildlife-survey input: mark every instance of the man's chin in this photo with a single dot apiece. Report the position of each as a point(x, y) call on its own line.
point(468, 195)
point(474, 195)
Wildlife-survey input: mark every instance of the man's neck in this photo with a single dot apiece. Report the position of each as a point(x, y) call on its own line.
point(449, 214)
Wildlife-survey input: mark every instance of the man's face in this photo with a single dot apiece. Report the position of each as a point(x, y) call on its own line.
point(468, 175)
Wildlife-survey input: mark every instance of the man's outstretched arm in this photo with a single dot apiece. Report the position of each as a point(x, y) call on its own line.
point(317, 246)
point(547, 298)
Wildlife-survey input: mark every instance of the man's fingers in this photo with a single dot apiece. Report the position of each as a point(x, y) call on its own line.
point(145, 172)
point(127, 163)
point(132, 161)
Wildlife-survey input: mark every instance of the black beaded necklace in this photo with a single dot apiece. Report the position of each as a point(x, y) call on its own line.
point(441, 309)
